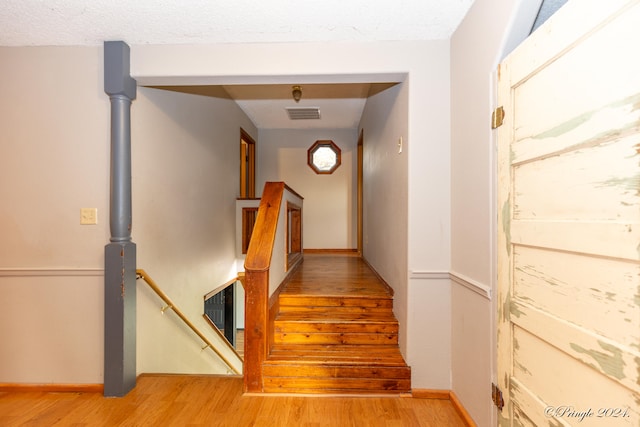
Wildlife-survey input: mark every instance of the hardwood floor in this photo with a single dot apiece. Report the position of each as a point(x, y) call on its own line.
point(183, 400)
point(194, 400)
point(339, 275)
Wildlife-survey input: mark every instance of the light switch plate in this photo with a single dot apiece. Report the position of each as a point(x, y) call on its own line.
point(88, 216)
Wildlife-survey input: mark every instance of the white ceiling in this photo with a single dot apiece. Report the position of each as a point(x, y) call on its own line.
point(90, 22)
point(340, 105)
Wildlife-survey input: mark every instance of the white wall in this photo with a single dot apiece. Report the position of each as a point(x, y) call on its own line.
point(55, 121)
point(476, 49)
point(185, 183)
point(56, 96)
point(54, 160)
point(279, 263)
point(425, 66)
point(329, 213)
point(385, 193)
point(429, 288)
point(406, 236)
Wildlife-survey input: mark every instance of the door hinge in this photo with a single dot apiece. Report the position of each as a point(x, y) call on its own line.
point(497, 117)
point(496, 396)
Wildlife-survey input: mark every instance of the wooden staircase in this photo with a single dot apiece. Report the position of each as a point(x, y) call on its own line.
point(334, 332)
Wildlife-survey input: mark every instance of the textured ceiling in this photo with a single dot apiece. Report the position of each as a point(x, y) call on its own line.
point(90, 22)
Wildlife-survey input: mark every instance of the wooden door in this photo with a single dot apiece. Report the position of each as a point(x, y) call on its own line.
point(360, 193)
point(247, 166)
point(569, 222)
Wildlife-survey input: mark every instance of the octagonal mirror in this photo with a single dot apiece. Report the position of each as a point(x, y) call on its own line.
point(324, 157)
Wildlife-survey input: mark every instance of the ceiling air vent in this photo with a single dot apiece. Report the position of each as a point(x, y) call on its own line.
point(303, 113)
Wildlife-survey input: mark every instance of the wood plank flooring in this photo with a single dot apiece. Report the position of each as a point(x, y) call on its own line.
point(184, 400)
point(340, 275)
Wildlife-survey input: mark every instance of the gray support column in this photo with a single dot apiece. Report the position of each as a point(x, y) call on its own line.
point(120, 253)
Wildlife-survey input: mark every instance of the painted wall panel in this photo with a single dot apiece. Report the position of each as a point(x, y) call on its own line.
point(429, 334)
point(51, 326)
point(54, 160)
point(471, 333)
point(385, 196)
point(54, 117)
point(279, 268)
point(489, 27)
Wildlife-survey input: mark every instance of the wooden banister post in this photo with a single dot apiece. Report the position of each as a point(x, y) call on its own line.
point(257, 264)
point(255, 332)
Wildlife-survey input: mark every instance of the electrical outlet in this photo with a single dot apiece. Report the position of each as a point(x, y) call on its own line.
point(88, 216)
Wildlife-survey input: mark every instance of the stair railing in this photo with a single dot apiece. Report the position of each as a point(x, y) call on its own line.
point(256, 267)
point(262, 276)
point(220, 312)
point(141, 274)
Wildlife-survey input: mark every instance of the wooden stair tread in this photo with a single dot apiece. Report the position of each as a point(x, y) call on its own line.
point(341, 327)
point(333, 301)
point(342, 290)
point(337, 309)
point(318, 361)
point(339, 338)
point(346, 349)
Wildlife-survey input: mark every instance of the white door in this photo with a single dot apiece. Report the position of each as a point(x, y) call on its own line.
point(569, 203)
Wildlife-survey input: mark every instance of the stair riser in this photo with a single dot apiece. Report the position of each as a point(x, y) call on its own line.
point(330, 355)
point(335, 302)
point(336, 392)
point(343, 372)
point(331, 386)
point(337, 310)
point(348, 328)
point(350, 339)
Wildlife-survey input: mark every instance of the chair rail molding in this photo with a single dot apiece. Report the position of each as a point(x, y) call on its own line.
point(428, 275)
point(50, 272)
point(474, 286)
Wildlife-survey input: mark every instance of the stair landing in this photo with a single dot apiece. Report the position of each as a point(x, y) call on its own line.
point(335, 332)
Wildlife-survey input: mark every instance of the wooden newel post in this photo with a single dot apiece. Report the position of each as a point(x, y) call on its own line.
point(256, 332)
point(257, 264)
